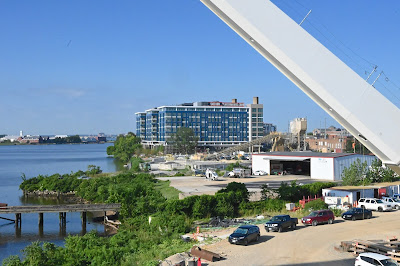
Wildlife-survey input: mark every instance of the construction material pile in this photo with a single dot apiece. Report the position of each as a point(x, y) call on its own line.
point(390, 247)
point(220, 222)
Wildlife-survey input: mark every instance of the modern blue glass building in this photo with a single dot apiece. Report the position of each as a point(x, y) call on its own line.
point(219, 124)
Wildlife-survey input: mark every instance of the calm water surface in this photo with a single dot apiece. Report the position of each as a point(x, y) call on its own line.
point(33, 160)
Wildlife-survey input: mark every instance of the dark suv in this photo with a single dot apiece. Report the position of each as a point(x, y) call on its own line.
point(245, 234)
point(318, 217)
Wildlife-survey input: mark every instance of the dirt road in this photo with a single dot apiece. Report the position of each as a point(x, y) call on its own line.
point(195, 185)
point(308, 245)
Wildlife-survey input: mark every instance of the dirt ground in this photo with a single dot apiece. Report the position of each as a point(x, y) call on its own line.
point(307, 245)
point(196, 185)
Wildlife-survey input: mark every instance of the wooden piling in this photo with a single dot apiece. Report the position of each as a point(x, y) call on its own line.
point(41, 219)
point(18, 220)
point(83, 215)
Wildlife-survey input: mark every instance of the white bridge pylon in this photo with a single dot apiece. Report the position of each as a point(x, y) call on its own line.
point(328, 81)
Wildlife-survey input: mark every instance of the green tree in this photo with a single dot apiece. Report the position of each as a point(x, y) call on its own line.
point(266, 192)
point(378, 173)
point(356, 174)
point(73, 139)
point(184, 140)
point(125, 147)
point(93, 170)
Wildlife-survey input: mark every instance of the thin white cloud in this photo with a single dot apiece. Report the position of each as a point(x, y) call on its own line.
point(71, 93)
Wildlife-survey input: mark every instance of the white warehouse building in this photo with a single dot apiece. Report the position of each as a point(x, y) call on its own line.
point(328, 166)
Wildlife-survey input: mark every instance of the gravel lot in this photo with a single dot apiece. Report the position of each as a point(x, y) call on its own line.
point(196, 185)
point(307, 245)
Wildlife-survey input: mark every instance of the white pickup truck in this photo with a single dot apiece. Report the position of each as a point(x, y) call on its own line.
point(395, 203)
point(374, 204)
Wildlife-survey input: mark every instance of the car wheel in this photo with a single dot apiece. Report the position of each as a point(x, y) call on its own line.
point(397, 207)
point(246, 242)
point(362, 207)
point(380, 209)
point(369, 216)
point(293, 226)
point(280, 229)
point(314, 223)
point(258, 238)
point(353, 218)
point(330, 221)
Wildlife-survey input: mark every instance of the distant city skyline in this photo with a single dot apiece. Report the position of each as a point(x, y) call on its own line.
point(88, 66)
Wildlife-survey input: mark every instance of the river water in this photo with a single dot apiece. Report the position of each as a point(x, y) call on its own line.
point(33, 160)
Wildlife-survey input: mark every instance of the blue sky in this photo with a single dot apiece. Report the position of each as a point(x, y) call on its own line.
point(80, 67)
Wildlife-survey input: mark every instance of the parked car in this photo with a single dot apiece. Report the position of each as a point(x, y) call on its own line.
point(318, 217)
point(280, 222)
point(199, 173)
point(395, 203)
point(374, 204)
point(260, 172)
point(357, 213)
point(245, 234)
point(374, 259)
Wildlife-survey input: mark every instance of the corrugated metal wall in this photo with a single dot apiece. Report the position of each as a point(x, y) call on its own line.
point(341, 163)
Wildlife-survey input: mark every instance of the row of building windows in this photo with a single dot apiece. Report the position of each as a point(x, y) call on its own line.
point(208, 123)
point(203, 109)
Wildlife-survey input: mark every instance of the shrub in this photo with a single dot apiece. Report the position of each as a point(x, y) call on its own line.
point(179, 174)
point(337, 212)
point(317, 204)
point(136, 161)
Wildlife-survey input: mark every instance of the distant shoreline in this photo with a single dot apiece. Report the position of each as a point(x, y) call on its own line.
point(37, 144)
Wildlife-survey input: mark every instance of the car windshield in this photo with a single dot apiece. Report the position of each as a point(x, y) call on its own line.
point(241, 231)
point(379, 201)
point(313, 214)
point(388, 262)
point(276, 219)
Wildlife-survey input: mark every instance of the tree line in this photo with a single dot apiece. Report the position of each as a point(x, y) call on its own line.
point(125, 146)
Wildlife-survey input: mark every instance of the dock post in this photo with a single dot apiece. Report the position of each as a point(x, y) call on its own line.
point(63, 223)
point(83, 215)
point(18, 225)
point(18, 220)
point(105, 223)
point(63, 218)
point(41, 224)
point(41, 219)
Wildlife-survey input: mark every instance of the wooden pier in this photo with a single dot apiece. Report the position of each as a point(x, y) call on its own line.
point(61, 209)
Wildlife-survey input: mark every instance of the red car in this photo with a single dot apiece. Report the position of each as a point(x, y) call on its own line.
point(318, 217)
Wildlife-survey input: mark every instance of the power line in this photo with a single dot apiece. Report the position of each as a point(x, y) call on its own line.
point(362, 69)
point(387, 79)
point(394, 95)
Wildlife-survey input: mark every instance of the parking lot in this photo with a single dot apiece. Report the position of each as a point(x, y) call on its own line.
point(307, 245)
